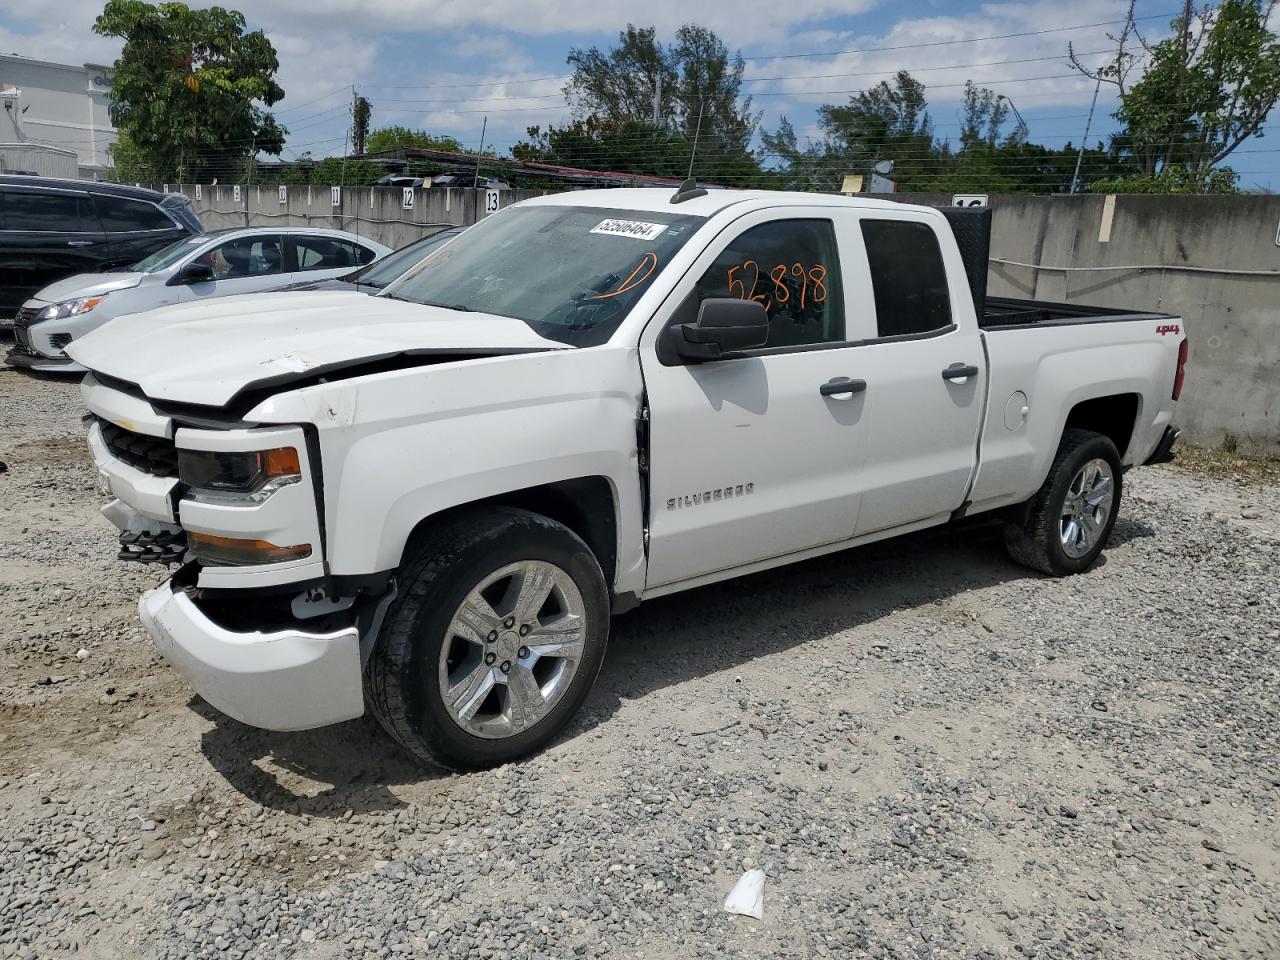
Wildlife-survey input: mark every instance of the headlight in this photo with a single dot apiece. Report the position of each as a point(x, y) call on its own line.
point(251, 476)
point(69, 308)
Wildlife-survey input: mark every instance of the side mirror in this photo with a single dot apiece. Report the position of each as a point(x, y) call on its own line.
point(195, 272)
point(724, 326)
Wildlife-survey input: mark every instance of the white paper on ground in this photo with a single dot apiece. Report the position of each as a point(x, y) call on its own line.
point(747, 896)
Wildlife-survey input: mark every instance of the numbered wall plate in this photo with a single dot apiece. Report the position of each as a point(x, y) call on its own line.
point(969, 200)
point(407, 202)
point(492, 201)
point(284, 193)
point(235, 193)
point(335, 196)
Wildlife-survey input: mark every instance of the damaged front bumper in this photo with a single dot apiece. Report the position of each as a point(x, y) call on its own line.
point(281, 679)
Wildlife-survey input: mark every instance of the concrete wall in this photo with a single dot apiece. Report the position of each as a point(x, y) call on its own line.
point(1233, 318)
point(374, 212)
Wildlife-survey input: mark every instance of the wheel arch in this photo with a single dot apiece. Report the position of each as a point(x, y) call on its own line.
point(586, 505)
point(1114, 416)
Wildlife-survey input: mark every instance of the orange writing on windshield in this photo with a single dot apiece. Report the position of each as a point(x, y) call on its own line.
point(643, 271)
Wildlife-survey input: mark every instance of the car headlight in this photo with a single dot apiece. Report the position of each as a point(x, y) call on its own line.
point(249, 476)
point(70, 308)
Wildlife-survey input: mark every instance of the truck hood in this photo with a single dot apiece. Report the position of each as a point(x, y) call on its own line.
point(87, 285)
point(209, 352)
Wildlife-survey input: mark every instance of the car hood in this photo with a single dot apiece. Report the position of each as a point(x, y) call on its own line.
point(88, 285)
point(208, 353)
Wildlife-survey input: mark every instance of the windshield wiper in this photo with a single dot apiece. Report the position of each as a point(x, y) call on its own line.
point(460, 307)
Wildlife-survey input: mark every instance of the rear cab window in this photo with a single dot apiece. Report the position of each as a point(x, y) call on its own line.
point(908, 278)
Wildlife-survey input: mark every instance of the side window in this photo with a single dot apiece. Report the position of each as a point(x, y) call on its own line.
point(245, 257)
point(122, 215)
point(793, 268)
point(329, 253)
point(907, 277)
point(47, 212)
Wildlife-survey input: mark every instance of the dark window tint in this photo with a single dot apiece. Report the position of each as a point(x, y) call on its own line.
point(793, 268)
point(122, 215)
point(907, 276)
point(329, 253)
point(244, 257)
point(48, 212)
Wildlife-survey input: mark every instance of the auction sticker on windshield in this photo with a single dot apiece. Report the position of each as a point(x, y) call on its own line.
point(637, 229)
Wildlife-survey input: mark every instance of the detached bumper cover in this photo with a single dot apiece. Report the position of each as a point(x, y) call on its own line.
point(283, 680)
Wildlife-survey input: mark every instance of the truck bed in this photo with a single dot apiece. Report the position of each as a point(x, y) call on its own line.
point(1003, 312)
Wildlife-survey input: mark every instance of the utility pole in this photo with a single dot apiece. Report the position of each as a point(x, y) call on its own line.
point(483, 127)
point(1075, 179)
point(657, 100)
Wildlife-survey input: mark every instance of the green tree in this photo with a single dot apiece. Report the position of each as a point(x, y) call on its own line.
point(187, 86)
point(392, 138)
point(1208, 88)
point(642, 88)
point(361, 113)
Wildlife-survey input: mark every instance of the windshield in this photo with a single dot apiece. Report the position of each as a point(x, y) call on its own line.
point(381, 272)
point(571, 273)
point(166, 257)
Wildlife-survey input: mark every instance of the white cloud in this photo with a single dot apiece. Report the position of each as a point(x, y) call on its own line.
point(743, 22)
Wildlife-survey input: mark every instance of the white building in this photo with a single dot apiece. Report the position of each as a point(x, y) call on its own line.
point(54, 105)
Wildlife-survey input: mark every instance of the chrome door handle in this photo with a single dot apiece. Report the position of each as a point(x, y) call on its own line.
point(842, 388)
point(80, 243)
point(959, 371)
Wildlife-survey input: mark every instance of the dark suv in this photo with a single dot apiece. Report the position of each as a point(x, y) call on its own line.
point(51, 229)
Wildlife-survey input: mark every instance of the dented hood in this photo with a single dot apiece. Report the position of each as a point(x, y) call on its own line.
point(207, 353)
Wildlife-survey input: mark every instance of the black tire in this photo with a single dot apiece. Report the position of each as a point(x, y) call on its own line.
point(439, 570)
point(1033, 535)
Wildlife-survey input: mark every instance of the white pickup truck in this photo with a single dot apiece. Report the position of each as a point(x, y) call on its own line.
point(429, 502)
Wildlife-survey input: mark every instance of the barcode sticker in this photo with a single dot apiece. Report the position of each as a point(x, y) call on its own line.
point(636, 229)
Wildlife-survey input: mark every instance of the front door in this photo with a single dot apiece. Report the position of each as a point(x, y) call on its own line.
point(750, 458)
point(247, 264)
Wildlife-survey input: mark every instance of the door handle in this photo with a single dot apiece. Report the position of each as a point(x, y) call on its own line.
point(842, 388)
point(80, 243)
point(959, 371)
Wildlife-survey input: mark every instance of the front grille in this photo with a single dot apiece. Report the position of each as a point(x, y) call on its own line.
point(154, 455)
point(22, 339)
point(26, 316)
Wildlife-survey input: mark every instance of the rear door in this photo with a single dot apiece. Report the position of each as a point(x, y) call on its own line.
point(320, 257)
point(45, 235)
point(135, 228)
point(749, 458)
point(244, 264)
point(927, 387)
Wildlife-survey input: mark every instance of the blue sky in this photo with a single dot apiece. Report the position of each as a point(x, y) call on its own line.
point(445, 65)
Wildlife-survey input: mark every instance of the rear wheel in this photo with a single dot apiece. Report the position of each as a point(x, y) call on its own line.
point(1064, 527)
point(495, 641)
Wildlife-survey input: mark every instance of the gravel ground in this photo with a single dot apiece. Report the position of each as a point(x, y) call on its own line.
point(930, 752)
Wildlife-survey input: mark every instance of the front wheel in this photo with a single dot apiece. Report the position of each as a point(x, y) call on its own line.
point(1063, 528)
point(495, 641)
